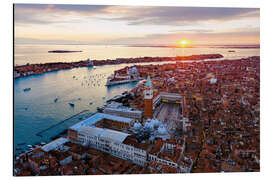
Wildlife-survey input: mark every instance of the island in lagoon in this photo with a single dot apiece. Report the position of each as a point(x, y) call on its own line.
point(62, 51)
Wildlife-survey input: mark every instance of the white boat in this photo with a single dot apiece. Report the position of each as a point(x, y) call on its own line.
point(42, 143)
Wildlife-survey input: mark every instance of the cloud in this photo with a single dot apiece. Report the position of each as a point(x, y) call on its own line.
point(51, 14)
point(20, 40)
point(183, 15)
point(133, 15)
point(193, 23)
point(192, 31)
point(232, 37)
point(208, 31)
point(197, 38)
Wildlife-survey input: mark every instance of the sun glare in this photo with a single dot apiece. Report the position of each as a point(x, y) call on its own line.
point(184, 42)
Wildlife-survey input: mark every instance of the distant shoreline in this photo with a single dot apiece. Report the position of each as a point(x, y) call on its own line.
point(202, 46)
point(32, 69)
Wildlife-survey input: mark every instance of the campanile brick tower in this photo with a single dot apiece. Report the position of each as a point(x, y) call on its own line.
point(148, 99)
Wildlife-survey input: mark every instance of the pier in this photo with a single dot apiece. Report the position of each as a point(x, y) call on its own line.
point(54, 125)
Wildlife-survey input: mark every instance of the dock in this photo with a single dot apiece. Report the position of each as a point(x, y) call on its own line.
point(54, 125)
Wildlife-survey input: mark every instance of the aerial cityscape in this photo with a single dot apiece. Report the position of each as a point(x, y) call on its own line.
point(135, 90)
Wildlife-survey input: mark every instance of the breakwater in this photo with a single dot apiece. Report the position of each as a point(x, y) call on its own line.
point(54, 125)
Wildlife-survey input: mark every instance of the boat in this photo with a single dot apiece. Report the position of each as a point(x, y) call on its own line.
point(110, 81)
point(30, 146)
point(71, 104)
point(100, 109)
point(26, 89)
point(43, 143)
point(125, 92)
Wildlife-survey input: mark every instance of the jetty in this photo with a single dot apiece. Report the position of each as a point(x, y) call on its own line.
point(57, 124)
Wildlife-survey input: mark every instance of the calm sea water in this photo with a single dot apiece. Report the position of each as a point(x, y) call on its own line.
point(39, 53)
point(35, 110)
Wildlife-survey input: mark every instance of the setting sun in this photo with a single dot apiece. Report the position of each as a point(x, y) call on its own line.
point(184, 42)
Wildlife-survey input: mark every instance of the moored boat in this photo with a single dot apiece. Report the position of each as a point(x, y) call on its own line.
point(26, 89)
point(71, 104)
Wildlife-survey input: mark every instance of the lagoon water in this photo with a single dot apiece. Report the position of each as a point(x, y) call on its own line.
point(36, 110)
point(39, 53)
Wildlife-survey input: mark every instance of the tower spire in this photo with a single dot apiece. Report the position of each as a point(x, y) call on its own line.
point(148, 82)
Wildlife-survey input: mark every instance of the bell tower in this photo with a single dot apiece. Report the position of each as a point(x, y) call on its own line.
point(148, 99)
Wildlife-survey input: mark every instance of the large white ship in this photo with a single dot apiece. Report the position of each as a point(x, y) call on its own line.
point(131, 76)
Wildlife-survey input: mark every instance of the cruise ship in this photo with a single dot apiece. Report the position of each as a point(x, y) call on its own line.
point(131, 75)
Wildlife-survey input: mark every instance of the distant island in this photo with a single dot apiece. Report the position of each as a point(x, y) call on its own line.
point(62, 51)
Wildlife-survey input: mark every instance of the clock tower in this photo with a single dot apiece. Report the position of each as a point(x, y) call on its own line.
point(148, 99)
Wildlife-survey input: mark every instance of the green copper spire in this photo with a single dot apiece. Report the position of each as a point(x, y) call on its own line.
point(148, 82)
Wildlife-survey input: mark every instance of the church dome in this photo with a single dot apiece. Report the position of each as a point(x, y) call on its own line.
point(137, 125)
point(149, 125)
point(162, 130)
point(155, 122)
point(213, 80)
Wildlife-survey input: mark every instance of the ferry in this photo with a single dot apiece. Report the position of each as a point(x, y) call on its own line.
point(132, 75)
point(110, 81)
